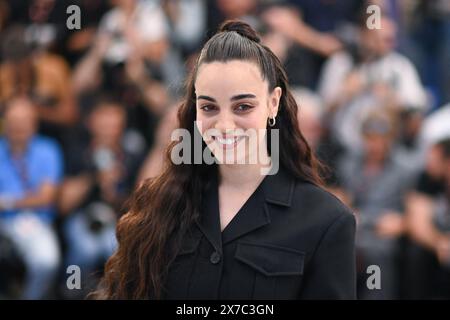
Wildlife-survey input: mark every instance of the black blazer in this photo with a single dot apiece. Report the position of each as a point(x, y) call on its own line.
point(290, 240)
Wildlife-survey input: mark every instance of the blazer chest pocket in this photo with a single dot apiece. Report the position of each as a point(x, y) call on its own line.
point(274, 272)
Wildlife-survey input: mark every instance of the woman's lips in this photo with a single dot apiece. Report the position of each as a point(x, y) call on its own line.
point(227, 142)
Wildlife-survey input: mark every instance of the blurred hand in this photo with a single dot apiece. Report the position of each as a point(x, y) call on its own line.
point(289, 23)
point(328, 44)
point(132, 37)
point(101, 45)
point(283, 20)
point(73, 192)
point(442, 250)
point(135, 69)
point(390, 225)
point(354, 84)
point(277, 43)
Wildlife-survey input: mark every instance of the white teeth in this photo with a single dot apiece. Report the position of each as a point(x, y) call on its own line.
point(227, 141)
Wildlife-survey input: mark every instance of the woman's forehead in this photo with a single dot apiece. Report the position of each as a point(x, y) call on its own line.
point(221, 77)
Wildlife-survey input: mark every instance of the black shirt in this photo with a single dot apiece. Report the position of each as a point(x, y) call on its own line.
point(290, 240)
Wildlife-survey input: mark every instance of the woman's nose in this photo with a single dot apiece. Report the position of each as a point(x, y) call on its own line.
point(225, 122)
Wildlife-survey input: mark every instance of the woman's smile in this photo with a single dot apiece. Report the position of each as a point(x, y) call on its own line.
point(227, 142)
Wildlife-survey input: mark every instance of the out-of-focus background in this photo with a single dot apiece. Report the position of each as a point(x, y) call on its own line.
point(86, 114)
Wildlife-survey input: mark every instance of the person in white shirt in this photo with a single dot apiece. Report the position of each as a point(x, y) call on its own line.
point(353, 84)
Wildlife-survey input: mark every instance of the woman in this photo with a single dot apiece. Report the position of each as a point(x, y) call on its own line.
point(225, 230)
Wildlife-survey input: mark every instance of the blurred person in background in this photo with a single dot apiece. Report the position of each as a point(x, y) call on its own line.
point(316, 29)
point(30, 172)
point(409, 146)
point(128, 59)
point(44, 77)
point(353, 82)
point(435, 126)
point(4, 15)
point(187, 21)
point(153, 164)
point(428, 213)
point(311, 115)
point(428, 29)
point(38, 18)
point(74, 44)
point(420, 134)
point(376, 183)
point(222, 10)
point(128, 32)
point(98, 181)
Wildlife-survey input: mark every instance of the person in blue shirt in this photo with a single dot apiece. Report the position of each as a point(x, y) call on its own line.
point(30, 171)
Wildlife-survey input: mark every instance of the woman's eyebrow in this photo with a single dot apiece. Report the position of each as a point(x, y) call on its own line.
point(233, 98)
point(243, 96)
point(206, 98)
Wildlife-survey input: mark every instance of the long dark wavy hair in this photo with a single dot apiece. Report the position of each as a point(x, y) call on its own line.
point(162, 209)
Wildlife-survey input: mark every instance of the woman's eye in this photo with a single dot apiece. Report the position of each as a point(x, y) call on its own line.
point(207, 108)
point(243, 107)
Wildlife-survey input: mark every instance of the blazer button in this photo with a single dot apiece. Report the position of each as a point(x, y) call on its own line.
point(215, 257)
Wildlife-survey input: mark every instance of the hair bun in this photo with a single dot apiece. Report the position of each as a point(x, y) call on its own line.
point(243, 28)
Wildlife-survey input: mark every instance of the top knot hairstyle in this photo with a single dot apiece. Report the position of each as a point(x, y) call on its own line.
point(236, 40)
point(163, 209)
point(241, 28)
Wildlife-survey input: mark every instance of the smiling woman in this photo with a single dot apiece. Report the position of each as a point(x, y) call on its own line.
point(239, 101)
point(224, 230)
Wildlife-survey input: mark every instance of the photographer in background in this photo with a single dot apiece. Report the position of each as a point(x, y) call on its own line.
point(428, 213)
point(316, 31)
point(100, 178)
point(372, 76)
point(30, 170)
point(130, 28)
point(129, 58)
point(44, 77)
point(376, 194)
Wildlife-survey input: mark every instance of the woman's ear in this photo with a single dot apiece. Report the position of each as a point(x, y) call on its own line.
point(275, 97)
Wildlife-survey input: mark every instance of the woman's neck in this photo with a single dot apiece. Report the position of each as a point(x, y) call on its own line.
point(238, 176)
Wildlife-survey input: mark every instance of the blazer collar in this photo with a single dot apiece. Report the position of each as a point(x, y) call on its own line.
point(255, 213)
point(279, 188)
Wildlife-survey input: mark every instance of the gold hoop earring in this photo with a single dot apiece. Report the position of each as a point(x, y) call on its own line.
point(272, 123)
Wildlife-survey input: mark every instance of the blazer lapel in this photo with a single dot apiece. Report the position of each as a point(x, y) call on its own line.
point(255, 213)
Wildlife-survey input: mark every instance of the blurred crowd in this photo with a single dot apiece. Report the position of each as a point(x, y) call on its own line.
point(86, 114)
